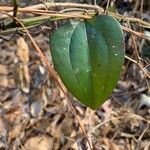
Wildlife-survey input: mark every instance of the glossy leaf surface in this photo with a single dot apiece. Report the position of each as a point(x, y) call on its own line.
point(88, 57)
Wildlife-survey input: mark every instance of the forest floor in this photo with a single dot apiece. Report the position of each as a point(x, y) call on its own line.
point(35, 115)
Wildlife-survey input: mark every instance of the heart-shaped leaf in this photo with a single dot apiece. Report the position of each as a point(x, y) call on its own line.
point(88, 56)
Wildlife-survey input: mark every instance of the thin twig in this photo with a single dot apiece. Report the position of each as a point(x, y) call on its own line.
point(104, 122)
point(64, 15)
point(52, 72)
point(139, 34)
point(136, 6)
point(52, 15)
point(134, 44)
point(73, 9)
point(15, 10)
point(140, 63)
point(144, 131)
point(35, 8)
point(141, 8)
point(107, 6)
point(136, 62)
point(44, 4)
point(35, 21)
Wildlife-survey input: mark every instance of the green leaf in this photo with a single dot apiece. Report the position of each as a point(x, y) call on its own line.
point(88, 56)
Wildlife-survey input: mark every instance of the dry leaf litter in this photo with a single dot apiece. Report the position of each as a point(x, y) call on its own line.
point(34, 114)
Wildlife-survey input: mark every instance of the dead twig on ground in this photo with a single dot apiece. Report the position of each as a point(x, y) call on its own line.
point(52, 72)
point(39, 8)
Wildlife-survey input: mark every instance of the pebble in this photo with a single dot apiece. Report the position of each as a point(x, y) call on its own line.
point(36, 108)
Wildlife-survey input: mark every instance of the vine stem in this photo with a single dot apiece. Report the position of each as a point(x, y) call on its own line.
point(52, 72)
point(41, 7)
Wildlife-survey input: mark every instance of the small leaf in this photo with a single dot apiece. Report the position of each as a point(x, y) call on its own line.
point(88, 56)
